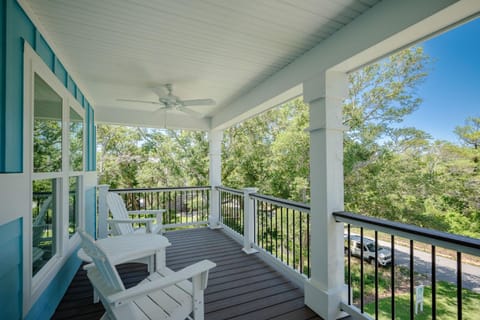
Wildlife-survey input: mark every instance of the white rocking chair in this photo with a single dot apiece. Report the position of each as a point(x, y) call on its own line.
point(122, 224)
point(163, 295)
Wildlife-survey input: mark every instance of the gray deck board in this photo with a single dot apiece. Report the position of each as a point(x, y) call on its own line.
point(240, 287)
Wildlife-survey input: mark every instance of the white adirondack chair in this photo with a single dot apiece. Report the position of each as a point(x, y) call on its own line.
point(38, 226)
point(122, 223)
point(163, 295)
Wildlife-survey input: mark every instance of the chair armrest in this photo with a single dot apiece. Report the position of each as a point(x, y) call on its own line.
point(139, 220)
point(143, 289)
point(160, 211)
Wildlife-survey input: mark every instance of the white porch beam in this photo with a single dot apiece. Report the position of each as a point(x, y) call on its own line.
point(149, 119)
point(388, 26)
point(215, 175)
point(326, 289)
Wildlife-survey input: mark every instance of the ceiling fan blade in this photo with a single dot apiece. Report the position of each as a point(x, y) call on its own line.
point(139, 101)
point(190, 112)
point(198, 102)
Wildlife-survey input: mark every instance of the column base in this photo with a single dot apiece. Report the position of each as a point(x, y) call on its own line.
point(215, 226)
point(249, 250)
point(325, 303)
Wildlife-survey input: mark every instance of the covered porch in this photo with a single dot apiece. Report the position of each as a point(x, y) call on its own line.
point(113, 62)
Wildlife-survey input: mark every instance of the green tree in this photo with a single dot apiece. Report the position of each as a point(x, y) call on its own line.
point(380, 96)
point(470, 132)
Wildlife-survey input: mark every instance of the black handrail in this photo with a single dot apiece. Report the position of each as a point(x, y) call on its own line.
point(158, 189)
point(408, 228)
point(298, 205)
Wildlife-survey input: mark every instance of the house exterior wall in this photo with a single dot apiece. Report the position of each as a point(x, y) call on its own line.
point(15, 29)
point(11, 270)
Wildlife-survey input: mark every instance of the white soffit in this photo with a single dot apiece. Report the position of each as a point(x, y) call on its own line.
point(208, 49)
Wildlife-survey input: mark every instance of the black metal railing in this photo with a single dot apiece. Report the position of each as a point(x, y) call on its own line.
point(232, 209)
point(282, 228)
point(183, 205)
point(359, 278)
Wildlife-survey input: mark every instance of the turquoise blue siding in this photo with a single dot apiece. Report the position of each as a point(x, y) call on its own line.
point(60, 72)
point(79, 96)
point(71, 86)
point(3, 63)
point(18, 29)
point(45, 306)
point(11, 270)
point(44, 51)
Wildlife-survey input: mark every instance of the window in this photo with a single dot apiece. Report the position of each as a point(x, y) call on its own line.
point(47, 167)
point(54, 142)
point(57, 171)
point(47, 128)
point(44, 215)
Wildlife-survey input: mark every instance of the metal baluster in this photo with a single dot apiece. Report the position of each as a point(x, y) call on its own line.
point(281, 227)
point(271, 229)
point(412, 283)
point(376, 275)
point(288, 239)
point(264, 218)
point(276, 231)
point(349, 267)
point(301, 245)
point(293, 234)
point(434, 285)
point(393, 275)
point(169, 207)
point(459, 285)
point(361, 270)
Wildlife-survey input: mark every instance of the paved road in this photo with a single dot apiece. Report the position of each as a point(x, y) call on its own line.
point(446, 268)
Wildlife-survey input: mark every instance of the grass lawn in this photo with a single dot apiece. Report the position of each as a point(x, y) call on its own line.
point(446, 304)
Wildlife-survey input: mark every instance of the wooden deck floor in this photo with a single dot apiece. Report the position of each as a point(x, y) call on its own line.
point(240, 287)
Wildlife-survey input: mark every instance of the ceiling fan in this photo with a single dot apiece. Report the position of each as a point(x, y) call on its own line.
point(168, 101)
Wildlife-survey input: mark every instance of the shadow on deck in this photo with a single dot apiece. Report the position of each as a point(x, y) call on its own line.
point(240, 287)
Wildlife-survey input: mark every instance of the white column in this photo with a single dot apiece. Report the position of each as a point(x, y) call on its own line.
point(326, 288)
point(248, 221)
point(102, 211)
point(215, 176)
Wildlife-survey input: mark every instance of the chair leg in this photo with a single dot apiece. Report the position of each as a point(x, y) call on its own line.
point(198, 303)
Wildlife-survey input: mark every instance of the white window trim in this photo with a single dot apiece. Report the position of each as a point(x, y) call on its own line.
point(34, 287)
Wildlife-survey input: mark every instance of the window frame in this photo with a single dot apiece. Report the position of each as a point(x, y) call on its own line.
point(34, 286)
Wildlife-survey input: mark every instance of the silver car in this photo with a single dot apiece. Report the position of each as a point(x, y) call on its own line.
point(384, 254)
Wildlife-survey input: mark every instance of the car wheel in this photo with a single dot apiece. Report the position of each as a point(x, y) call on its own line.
point(372, 261)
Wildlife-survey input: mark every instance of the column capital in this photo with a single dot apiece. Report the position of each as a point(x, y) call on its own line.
point(330, 84)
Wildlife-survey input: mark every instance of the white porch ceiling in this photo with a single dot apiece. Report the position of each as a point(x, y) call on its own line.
point(219, 49)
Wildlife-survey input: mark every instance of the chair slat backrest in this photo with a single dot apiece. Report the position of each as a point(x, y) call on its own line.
point(40, 219)
point(108, 272)
point(119, 211)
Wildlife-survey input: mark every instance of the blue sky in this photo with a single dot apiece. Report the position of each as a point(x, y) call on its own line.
point(451, 92)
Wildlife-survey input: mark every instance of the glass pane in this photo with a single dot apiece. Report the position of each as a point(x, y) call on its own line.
point(76, 141)
point(73, 205)
point(47, 128)
point(43, 222)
